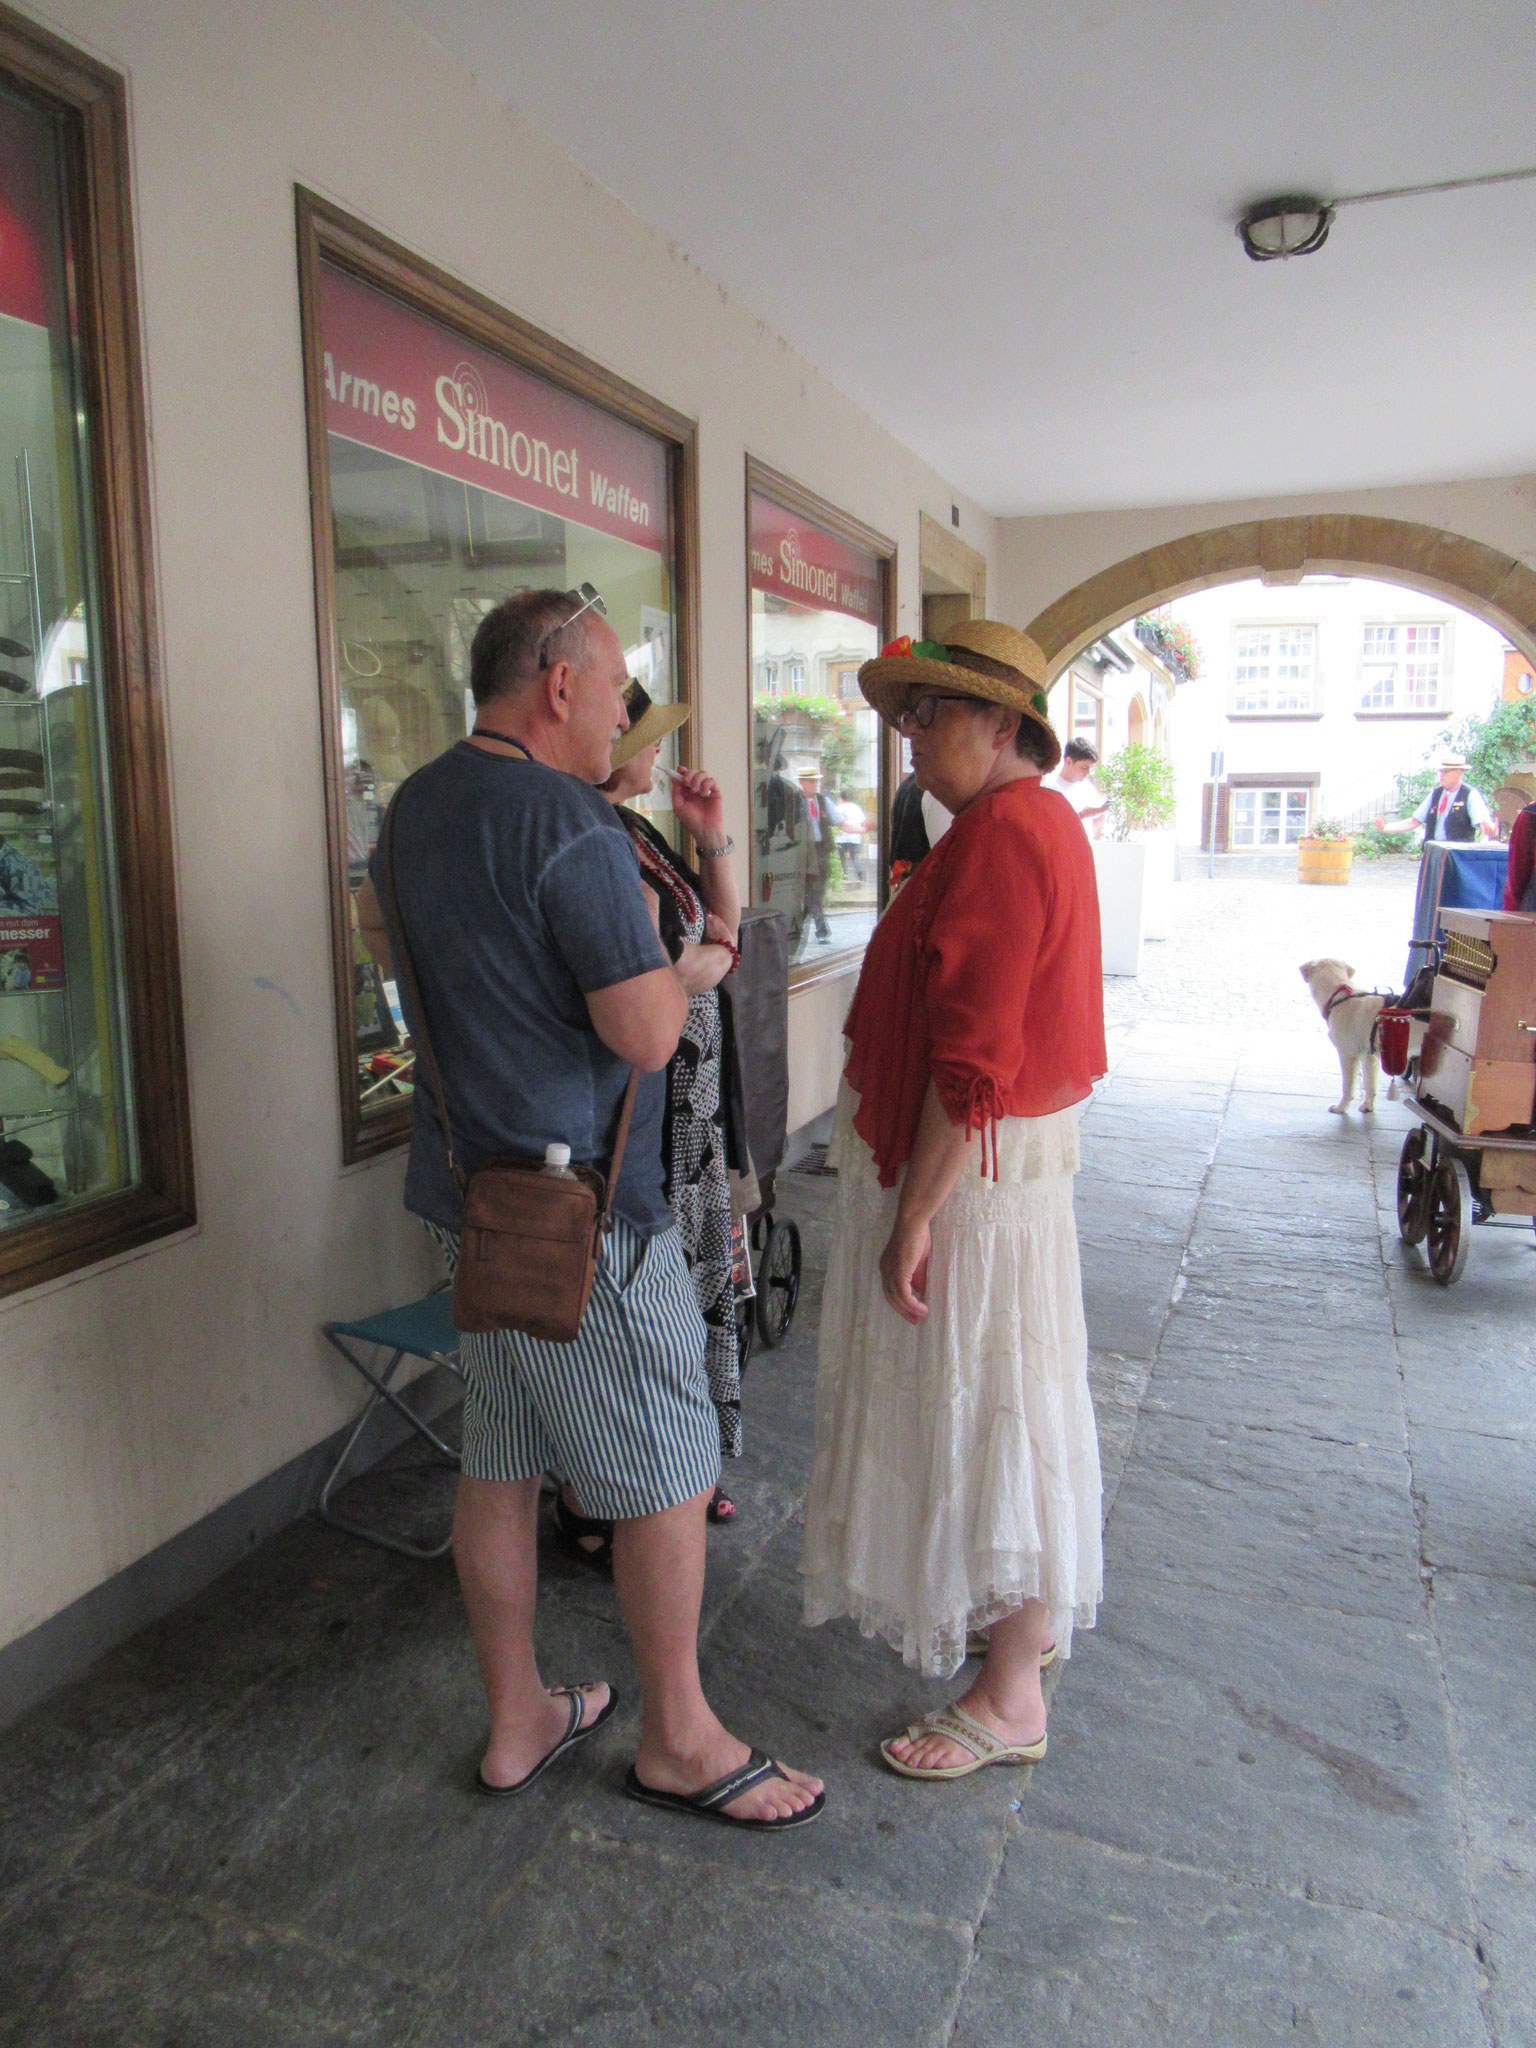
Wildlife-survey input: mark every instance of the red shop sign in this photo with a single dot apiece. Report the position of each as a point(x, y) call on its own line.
point(794, 559)
point(398, 382)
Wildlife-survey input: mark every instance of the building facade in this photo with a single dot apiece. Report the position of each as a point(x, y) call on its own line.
point(1318, 695)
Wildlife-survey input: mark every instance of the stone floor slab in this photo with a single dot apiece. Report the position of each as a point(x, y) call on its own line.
point(1479, 1503)
point(647, 1948)
point(1271, 1515)
point(90, 1966)
point(1084, 1947)
point(1487, 1632)
point(1299, 1750)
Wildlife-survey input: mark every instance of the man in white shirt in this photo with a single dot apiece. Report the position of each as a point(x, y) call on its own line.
point(1454, 811)
point(1071, 780)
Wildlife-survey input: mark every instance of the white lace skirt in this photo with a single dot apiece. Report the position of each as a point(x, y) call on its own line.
point(957, 1461)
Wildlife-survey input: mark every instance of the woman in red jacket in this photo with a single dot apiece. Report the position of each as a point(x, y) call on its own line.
point(955, 1495)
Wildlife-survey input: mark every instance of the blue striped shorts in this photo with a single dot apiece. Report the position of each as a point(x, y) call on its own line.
point(624, 1413)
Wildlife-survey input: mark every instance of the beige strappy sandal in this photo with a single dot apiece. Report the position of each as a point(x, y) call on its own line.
point(960, 1728)
point(977, 1645)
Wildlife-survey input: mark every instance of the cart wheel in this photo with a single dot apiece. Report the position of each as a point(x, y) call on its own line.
point(778, 1284)
point(1413, 1178)
point(746, 1329)
point(1450, 1221)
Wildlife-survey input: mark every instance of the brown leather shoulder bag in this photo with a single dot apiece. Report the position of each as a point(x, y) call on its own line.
point(530, 1242)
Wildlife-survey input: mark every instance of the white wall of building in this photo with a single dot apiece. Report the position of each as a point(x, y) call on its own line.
point(1356, 754)
point(136, 1398)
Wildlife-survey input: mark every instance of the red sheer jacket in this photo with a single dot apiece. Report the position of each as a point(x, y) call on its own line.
point(983, 976)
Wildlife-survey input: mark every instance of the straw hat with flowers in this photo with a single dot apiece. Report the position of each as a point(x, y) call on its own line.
point(977, 658)
point(648, 722)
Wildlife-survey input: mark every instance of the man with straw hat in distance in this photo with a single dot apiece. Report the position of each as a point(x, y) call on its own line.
point(954, 1500)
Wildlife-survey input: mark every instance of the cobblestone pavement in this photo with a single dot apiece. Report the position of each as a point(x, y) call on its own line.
point(1291, 1777)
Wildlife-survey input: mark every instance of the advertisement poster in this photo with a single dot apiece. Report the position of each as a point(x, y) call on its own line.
point(31, 954)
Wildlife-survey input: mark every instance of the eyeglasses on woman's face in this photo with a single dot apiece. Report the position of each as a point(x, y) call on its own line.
point(924, 708)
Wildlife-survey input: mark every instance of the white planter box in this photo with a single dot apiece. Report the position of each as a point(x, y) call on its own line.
point(1121, 868)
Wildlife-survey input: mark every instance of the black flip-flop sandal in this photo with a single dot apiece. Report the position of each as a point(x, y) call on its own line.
point(710, 1802)
point(576, 1731)
point(578, 1530)
point(721, 1509)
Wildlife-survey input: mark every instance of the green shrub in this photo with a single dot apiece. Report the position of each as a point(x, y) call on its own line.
point(1137, 784)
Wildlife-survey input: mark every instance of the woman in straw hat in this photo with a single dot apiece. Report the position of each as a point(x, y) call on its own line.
point(698, 915)
point(954, 1501)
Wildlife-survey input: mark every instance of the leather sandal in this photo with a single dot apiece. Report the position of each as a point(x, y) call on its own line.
point(576, 1731)
point(966, 1733)
point(709, 1802)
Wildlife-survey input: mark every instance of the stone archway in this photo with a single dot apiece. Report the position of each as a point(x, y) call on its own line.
point(1496, 587)
point(1136, 721)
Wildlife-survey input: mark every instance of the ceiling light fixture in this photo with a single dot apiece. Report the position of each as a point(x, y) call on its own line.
point(1296, 225)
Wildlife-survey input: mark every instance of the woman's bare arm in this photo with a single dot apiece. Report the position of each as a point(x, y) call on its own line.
point(938, 1159)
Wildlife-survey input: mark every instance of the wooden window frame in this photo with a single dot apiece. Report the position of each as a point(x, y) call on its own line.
point(794, 497)
point(1312, 626)
point(127, 663)
point(326, 234)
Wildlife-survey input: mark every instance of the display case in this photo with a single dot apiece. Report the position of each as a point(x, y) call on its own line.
point(458, 457)
point(94, 1144)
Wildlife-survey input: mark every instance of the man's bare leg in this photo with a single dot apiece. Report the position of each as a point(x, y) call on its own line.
point(495, 1547)
point(1006, 1697)
point(658, 1569)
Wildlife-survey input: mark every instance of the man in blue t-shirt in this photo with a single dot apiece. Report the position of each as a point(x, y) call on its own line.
point(543, 980)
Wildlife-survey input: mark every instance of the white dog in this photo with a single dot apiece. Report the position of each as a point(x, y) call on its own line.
point(1350, 1019)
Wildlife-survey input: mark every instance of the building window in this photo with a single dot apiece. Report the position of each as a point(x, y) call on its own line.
point(95, 1151)
point(1274, 671)
point(450, 469)
point(1401, 668)
point(768, 680)
point(1269, 818)
point(1087, 716)
point(822, 593)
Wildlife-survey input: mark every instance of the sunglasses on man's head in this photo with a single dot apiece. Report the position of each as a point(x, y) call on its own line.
point(585, 599)
point(924, 709)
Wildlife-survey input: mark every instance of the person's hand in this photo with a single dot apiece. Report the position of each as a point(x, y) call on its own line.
point(698, 804)
point(704, 967)
point(904, 1270)
point(1381, 824)
point(717, 931)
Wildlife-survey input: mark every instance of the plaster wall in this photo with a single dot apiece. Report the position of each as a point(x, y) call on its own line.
point(137, 1398)
point(1040, 559)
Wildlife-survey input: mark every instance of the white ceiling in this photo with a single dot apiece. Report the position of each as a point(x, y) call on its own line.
point(1006, 229)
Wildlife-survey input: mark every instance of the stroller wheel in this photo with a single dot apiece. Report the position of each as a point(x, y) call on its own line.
point(746, 1330)
point(778, 1284)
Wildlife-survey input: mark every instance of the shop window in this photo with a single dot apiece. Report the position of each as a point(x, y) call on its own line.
point(1268, 819)
point(1274, 671)
point(1401, 668)
point(822, 591)
point(457, 457)
point(94, 1143)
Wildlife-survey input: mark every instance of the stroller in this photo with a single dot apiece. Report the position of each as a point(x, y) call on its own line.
point(765, 1301)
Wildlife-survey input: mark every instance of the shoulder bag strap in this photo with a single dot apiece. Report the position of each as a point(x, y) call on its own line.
point(407, 972)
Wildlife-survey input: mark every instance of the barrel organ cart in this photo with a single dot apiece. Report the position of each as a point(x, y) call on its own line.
point(1472, 1155)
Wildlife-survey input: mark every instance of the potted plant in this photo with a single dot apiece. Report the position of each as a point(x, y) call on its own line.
point(1326, 854)
point(1135, 864)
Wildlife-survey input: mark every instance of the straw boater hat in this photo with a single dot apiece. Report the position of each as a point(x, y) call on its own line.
point(648, 723)
point(978, 658)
